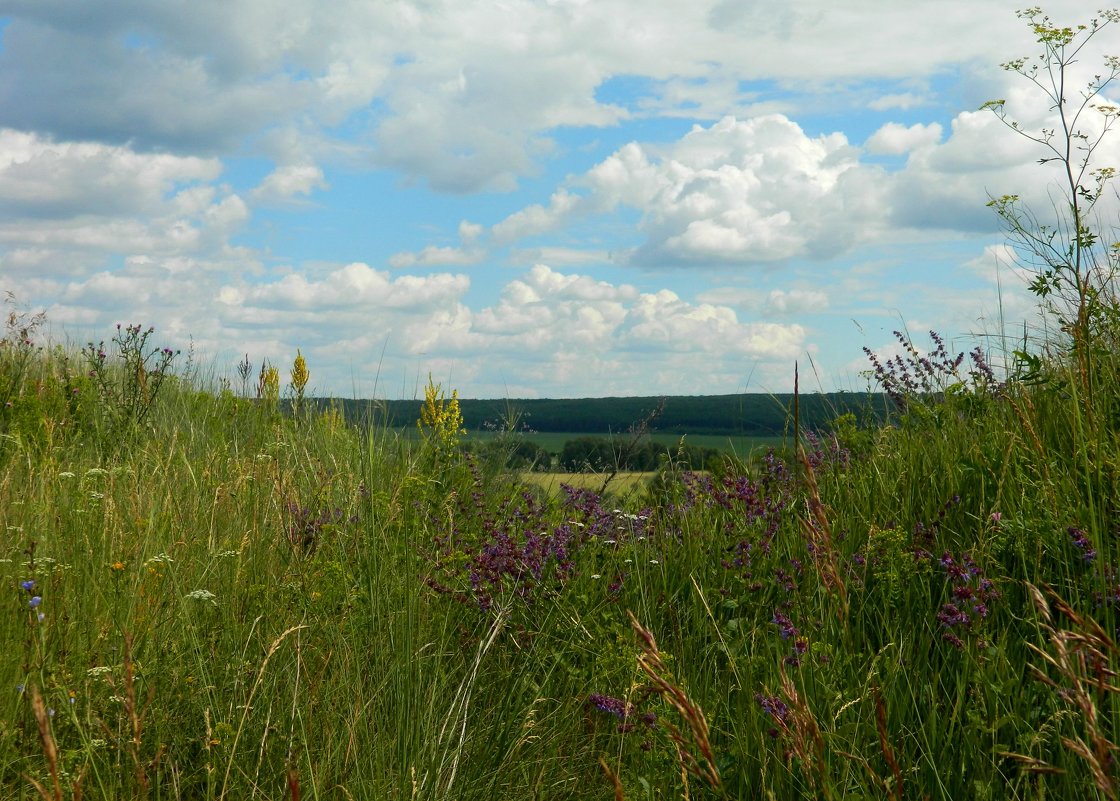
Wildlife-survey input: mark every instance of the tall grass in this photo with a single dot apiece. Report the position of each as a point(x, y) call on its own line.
point(222, 601)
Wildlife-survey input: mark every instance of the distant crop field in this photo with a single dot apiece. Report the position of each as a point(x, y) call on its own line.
point(622, 483)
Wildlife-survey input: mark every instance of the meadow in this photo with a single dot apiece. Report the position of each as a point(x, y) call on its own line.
point(210, 598)
point(213, 594)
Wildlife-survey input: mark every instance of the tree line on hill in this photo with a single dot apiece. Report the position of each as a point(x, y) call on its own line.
point(753, 414)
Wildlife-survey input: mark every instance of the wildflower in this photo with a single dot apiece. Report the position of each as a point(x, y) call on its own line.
point(202, 595)
point(28, 585)
point(117, 566)
point(776, 708)
point(996, 517)
point(786, 629)
point(35, 601)
point(1081, 541)
point(614, 706)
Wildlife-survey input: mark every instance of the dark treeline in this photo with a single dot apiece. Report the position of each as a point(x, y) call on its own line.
point(745, 414)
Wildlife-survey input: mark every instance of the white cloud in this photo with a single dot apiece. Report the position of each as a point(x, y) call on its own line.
point(464, 94)
point(432, 255)
point(356, 286)
point(560, 256)
point(902, 101)
point(289, 180)
point(894, 139)
point(468, 252)
point(797, 301)
point(739, 191)
point(537, 219)
point(43, 178)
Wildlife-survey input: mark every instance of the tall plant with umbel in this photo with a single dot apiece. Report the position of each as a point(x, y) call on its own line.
point(1073, 269)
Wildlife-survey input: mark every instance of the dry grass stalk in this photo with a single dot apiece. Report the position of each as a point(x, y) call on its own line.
point(249, 703)
point(698, 741)
point(817, 528)
point(1081, 657)
point(885, 743)
point(807, 740)
point(136, 718)
point(818, 532)
point(612, 777)
point(50, 750)
point(293, 784)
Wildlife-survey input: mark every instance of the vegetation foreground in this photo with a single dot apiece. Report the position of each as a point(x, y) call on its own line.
point(206, 597)
point(210, 599)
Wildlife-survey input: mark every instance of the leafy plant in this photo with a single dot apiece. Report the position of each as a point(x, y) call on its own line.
point(1073, 268)
point(129, 380)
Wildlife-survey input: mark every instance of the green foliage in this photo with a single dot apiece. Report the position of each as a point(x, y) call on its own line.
point(1074, 267)
point(128, 380)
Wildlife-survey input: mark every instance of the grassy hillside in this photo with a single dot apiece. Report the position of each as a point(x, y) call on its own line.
point(208, 598)
point(216, 597)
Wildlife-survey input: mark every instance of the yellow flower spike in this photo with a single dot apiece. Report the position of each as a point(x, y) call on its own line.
point(300, 376)
point(441, 421)
point(270, 385)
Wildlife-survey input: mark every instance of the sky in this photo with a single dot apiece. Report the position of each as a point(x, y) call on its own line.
point(523, 198)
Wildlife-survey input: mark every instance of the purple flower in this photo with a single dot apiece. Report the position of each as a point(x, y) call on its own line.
point(950, 615)
point(35, 601)
point(1081, 541)
point(613, 706)
point(28, 585)
point(786, 629)
point(775, 707)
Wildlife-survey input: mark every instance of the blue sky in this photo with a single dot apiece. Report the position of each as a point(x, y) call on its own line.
point(556, 198)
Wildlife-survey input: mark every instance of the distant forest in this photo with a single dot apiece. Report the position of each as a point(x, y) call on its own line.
point(746, 414)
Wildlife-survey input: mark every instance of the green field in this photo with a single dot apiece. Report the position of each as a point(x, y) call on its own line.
point(623, 483)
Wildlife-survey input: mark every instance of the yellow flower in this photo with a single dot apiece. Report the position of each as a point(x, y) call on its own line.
point(441, 421)
point(117, 566)
point(300, 375)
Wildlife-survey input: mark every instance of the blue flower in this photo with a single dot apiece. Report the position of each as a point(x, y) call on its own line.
point(28, 585)
point(35, 601)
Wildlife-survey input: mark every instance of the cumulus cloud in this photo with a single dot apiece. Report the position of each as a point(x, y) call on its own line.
point(894, 139)
point(46, 179)
point(70, 208)
point(462, 95)
point(739, 191)
point(355, 286)
point(468, 252)
point(553, 315)
point(287, 181)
